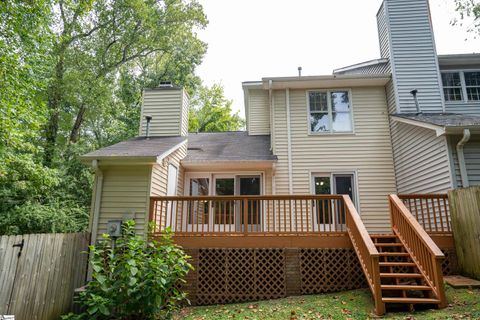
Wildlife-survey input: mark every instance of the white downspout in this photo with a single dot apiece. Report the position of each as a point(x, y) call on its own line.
point(98, 198)
point(461, 158)
point(289, 142)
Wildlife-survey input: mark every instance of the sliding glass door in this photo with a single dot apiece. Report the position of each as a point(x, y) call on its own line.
point(223, 214)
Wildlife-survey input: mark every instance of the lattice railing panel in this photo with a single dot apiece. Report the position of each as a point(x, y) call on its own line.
point(329, 270)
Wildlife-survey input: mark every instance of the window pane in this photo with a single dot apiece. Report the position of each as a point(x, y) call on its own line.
point(198, 210)
point(319, 122)
point(342, 122)
point(451, 79)
point(224, 210)
point(340, 101)
point(225, 187)
point(323, 207)
point(322, 185)
point(318, 101)
point(472, 78)
point(473, 93)
point(452, 94)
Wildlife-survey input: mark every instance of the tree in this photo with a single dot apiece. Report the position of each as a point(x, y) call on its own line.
point(469, 13)
point(97, 38)
point(210, 111)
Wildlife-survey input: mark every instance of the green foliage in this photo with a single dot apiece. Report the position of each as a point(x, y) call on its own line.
point(212, 112)
point(72, 73)
point(33, 217)
point(136, 279)
point(468, 15)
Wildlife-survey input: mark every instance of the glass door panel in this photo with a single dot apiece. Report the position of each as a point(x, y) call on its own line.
point(343, 185)
point(198, 210)
point(224, 210)
point(250, 185)
point(322, 208)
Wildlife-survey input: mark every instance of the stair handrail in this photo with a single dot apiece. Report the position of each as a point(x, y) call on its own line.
point(366, 251)
point(424, 252)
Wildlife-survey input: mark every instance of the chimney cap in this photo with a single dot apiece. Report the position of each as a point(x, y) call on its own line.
point(165, 84)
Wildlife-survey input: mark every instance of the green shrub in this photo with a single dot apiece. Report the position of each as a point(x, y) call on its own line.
point(137, 279)
point(53, 217)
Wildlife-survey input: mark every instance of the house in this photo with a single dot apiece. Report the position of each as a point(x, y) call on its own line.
point(305, 199)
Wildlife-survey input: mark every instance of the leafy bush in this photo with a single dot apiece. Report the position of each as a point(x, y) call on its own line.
point(136, 279)
point(31, 217)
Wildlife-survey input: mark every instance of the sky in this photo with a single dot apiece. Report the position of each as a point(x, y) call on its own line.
point(251, 39)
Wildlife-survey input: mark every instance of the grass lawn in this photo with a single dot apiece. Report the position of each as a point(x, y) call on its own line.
point(356, 304)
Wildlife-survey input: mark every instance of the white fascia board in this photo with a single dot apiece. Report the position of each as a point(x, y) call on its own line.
point(439, 130)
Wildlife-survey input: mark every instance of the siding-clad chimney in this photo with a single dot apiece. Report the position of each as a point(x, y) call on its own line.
point(167, 106)
point(406, 38)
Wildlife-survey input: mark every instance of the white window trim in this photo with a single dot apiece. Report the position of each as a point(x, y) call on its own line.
point(463, 84)
point(330, 116)
point(222, 174)
point(331, 174)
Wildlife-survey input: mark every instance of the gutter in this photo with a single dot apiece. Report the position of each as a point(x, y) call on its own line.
point(461, 158)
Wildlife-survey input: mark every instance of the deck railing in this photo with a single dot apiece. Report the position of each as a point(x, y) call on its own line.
point(432, 211)
point(249, 215)
point(425, 253)
point(366, 252)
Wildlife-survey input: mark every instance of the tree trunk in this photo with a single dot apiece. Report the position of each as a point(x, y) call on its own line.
point(55, 95)
point(75, 132)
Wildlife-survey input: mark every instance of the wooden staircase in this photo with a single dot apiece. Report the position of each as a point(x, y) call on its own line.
point(402, 282)
point(402, 268)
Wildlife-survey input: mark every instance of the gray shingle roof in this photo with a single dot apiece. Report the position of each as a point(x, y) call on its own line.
point(443, 119)
point(228, 146)
point(138, 147)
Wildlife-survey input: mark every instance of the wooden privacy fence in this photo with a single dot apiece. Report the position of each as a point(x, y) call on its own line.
point(465, 208)
point(39, 272)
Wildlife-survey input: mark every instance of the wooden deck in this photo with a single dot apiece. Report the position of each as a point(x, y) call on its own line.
point(304, 234)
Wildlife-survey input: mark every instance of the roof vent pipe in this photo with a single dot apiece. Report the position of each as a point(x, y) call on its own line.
point(299, 71)
point(414, 94)
point(147, 131)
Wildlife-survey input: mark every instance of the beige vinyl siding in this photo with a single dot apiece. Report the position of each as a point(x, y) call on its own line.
point(367, 152)
point(125, 195)
point(390, 92)
point(258, 112)
point(164, 106)
point(185, 110)
point(421, 159)
point(160, 173)
point(471, 152)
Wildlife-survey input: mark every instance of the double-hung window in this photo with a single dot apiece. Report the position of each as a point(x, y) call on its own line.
point(329, 111)
point(461, 86)
point(452, 86)
point(472, 85)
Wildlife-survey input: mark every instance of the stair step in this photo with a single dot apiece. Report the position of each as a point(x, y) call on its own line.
point(397, 264)
point(404, 287)
point(389, 244)
point(400, 275)
point(411, 300)
point(383, 236)
point(394, 254)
